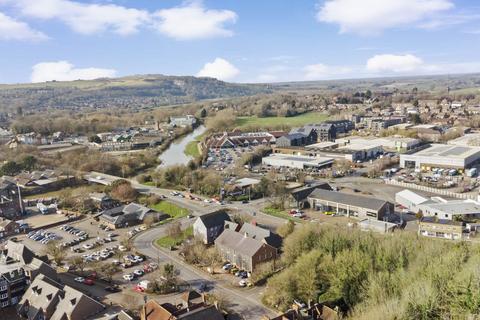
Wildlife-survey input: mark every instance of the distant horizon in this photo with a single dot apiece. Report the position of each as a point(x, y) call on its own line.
point(391, 77)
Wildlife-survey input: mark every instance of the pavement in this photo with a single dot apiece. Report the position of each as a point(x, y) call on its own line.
point(243, 301)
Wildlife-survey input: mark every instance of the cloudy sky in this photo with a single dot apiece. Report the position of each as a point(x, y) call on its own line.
point(237, 40)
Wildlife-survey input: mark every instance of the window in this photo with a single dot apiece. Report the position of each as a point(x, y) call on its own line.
point(3, 296)
point(3, 288)
point(4, 304)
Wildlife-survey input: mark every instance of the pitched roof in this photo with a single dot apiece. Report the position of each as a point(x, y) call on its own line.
point(348, 199)
point(19, 252)
point(261, 234)
point(216, 218)
point(239, 242)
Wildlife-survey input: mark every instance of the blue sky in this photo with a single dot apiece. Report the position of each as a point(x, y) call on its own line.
point(237, 40)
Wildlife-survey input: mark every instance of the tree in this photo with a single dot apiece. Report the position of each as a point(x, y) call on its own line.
point(286, 229)
point(78, 263)
point(95, 139)
point(29, 163)
point(122, 190)
point(10, 168)
point(108, 270)
point(174, 230)
point(54, 250)
point(149, 221)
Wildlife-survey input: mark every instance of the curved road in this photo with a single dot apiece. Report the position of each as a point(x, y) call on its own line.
point(245, 302)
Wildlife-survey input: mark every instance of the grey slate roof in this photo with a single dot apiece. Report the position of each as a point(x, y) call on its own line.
point(216, 218)
point(258, 233)
point(348, 199)
point(129, 212)
point(238, 242)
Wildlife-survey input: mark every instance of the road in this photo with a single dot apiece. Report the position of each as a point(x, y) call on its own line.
point(243, 301)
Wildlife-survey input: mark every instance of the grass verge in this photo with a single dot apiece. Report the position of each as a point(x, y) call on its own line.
point(168, 242)
point(279, 214)
point(174, 211)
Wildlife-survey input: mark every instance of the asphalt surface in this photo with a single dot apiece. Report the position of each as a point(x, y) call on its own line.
point(244, 301)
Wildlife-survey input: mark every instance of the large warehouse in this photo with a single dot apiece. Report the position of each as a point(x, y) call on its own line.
point(279, 160)
point(441, 156)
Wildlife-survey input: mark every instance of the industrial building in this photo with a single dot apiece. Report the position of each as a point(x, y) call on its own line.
point(279, 160)
point(410, 200)
point(350, 204)
point(444, 229)
point(438, 207)
point(441, 156)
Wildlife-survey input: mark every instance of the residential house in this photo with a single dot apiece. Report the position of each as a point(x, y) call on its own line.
point(192, 307)
point(183, 121)
point(243, 251)
point(127, 215)
point(255, 232)
point(47, 299)
point(18, 267)
point(315, 312)
point(209, 226)
point(8, 227)
point(10, 202)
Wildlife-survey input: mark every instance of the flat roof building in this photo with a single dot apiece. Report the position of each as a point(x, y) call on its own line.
point(441, 155)
point(296, 161)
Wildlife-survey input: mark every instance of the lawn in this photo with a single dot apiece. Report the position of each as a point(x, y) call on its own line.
point(279, 213)
point(280, 122)
point(168, 242)
point(191, 149)
point(174, 211)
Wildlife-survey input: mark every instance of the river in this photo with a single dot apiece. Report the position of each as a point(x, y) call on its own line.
point(175, 153)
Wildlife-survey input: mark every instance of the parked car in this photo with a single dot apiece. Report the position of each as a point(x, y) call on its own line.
point(79, 279)
point(128, 277)
point(113, 288)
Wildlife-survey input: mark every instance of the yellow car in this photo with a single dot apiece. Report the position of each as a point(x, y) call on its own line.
point(329, 213)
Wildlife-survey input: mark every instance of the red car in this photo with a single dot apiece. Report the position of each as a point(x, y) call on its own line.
point(139, 289)
point(88, 282)
point(93, 275)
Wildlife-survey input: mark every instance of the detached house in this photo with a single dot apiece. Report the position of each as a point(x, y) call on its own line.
point(209, 226)
point(243, 251)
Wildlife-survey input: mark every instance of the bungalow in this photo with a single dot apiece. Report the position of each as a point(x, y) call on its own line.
point(243, 251)
point(127, 215)
point(209, 226)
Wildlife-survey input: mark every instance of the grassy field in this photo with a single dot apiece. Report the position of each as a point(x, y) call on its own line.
point(174, 211)
point(280, 122)
point(279, 214)
point(168, 242)
point(192, 147)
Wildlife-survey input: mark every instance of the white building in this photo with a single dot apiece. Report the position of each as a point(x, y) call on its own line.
point(279, 160)
point(410, 200)
point(442, 156)
point(449, 209)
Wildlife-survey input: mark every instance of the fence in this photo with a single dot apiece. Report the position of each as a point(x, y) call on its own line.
point(431, 190)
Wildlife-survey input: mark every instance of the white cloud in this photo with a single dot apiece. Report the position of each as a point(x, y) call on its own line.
point(220, 69)
point(65, 71)
point(373, 16)
point(193, 21)
point(394, 63)
point(85, 18)
point(11, 29)
point(321, 71)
